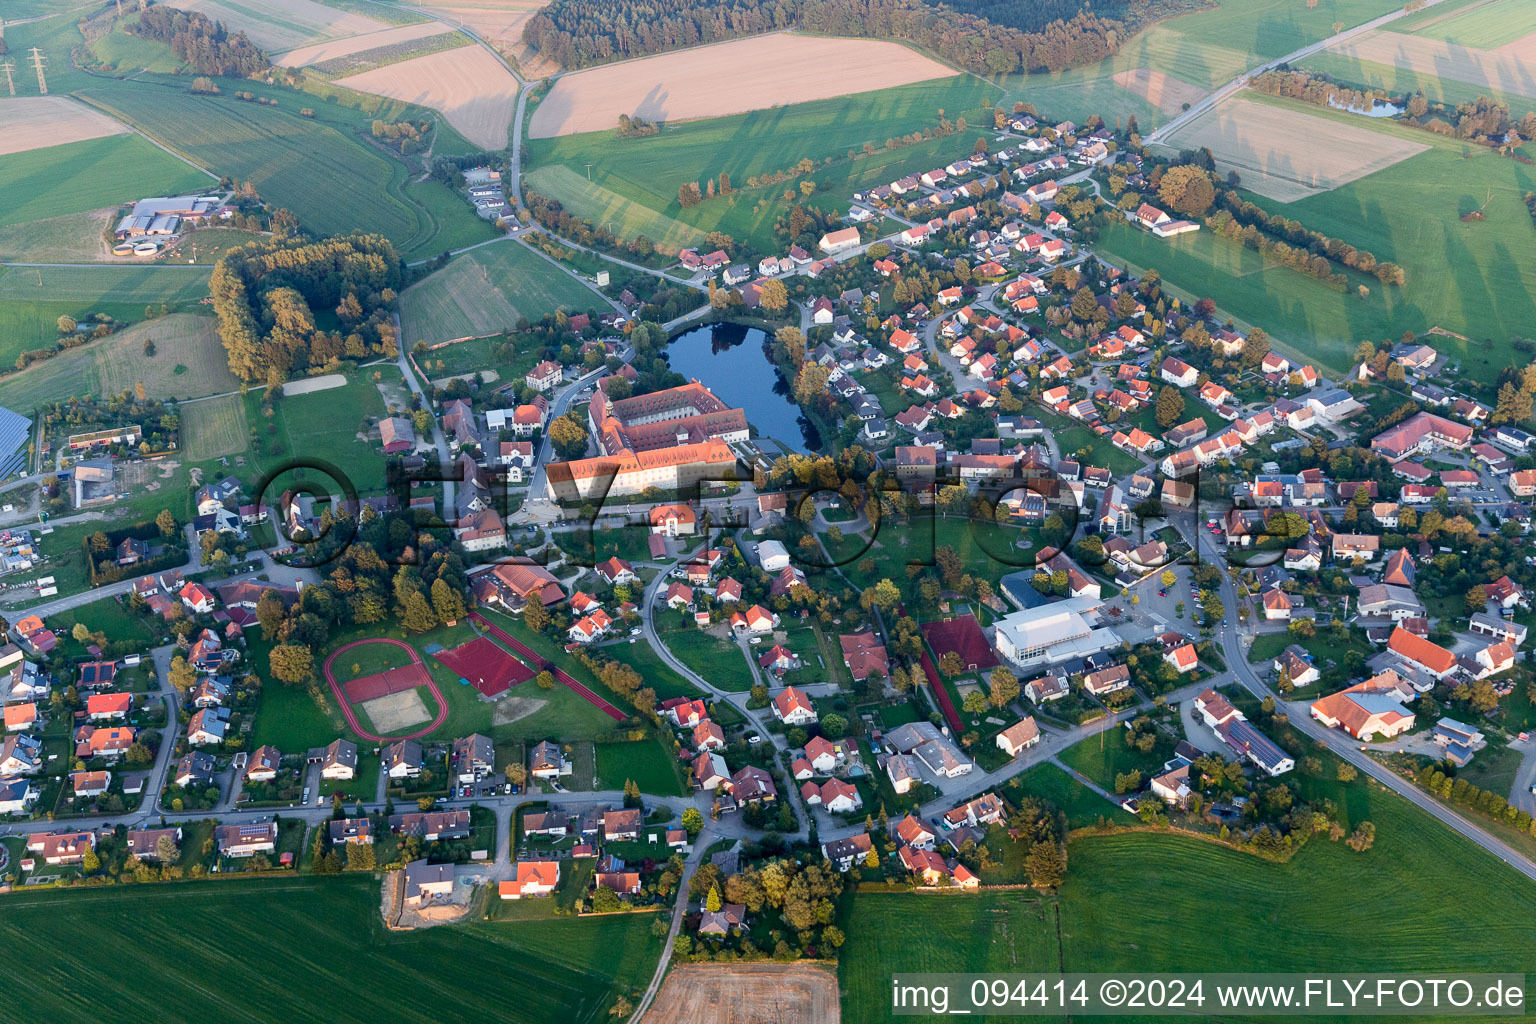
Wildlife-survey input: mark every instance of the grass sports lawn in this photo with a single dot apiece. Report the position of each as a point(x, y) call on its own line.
point(565, 968)
point(1473, 279)
point(1257, 915)
point(633, 184)
point(487, 291)
point(646, 761)
point(90, 175)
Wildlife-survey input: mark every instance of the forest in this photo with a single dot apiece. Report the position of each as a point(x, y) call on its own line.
point(1023, 35)
point(270, 300)
point(205, 45)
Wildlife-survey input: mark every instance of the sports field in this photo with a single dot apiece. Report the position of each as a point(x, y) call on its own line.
point(633, 182)
point(332, 426)
point(561, 968)
point(89, 175)
point(487, 291)
point(213, 428)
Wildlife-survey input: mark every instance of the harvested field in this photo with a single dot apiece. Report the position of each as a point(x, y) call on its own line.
point(469, 85)
point(1506, 68)
point(189, 360)
point(214, 428)
point(280, 25)
point(37, 122)
point(1258, 141)
point(1164, 92)
point(334, 48)
point(755, 994)
point(727, 78)
point(397, 711)
point(500, 23)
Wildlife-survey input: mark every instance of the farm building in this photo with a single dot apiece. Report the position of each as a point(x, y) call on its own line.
point(164, 215)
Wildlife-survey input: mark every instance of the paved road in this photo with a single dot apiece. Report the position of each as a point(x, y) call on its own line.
point(1223, 91)
point(679, 910)
point(1230, 638)
point(438, 440)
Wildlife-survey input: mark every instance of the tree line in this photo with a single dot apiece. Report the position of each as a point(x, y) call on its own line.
point(265, 296)
point(1482, 120)
point(1027, 36)
point(1315, 243)
point(203, 43)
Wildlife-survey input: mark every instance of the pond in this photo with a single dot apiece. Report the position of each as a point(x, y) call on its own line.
point(733, 361)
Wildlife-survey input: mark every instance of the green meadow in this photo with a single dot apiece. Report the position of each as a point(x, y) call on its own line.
point(487, 291)
point(1479, 26)
point(633, 182)
point(90, 175)
point(1421, 899)
point(1203, 49)
point(309, 949)
point(323, 167)
point(1475, 279)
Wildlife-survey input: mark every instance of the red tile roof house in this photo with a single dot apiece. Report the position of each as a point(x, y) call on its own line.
point(932, 869)
point(1424, 655)
point(531, 878)
point(101, 707)
point(793, 707)
point(1369, 709)
point(1018, 737)
point(1183, 658)
point(61, 847)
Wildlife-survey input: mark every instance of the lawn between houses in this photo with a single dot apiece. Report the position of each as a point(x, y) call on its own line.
point(324, 952)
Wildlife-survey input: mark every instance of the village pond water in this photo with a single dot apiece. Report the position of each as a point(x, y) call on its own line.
point(733, 361)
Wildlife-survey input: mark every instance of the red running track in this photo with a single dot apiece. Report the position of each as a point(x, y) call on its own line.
point(521, 648)
point(936, 687)
point(346, 705)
